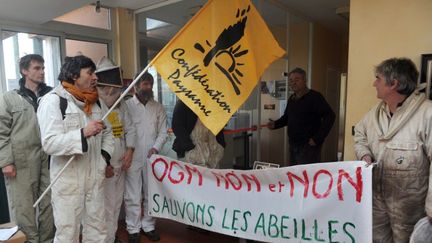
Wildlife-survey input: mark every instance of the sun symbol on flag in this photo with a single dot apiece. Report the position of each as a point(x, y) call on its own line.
point(224, 47)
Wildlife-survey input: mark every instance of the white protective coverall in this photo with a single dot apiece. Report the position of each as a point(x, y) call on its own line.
point(207, 152)
point(78, 194)
point(401, 144)
point(124, 137)
point(151, 128)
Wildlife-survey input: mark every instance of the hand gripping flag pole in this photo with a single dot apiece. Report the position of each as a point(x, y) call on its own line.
point(103, 118)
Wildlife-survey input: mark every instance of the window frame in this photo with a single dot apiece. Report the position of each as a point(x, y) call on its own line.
point(24, 29)
point(90, 39)
point(63, 31)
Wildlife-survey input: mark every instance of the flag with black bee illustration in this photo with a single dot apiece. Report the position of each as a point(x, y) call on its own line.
point(216, 60)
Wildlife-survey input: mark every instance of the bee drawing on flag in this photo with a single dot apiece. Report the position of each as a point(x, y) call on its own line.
point(226, 46)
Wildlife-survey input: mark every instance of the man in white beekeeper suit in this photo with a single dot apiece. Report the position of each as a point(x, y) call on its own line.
point(70, 123)
point(396, 135)
point(149, 118)
point(110, 83)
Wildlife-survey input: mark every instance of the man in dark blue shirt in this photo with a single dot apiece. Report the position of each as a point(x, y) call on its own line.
point(309, 119)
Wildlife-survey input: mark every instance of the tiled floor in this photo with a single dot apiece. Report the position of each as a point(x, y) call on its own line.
point(173, 232)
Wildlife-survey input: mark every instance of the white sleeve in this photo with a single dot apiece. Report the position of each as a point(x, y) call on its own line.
point(361, 143)
point(55, 141)
point(161, 129)
point(107, 137)
point(130, 130)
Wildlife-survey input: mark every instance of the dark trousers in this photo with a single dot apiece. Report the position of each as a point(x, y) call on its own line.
point(304, 154)
point(4, 208)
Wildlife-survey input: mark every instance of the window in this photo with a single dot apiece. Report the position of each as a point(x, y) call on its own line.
point(93, 50)
point(17, 44)
point(155, 24)
point(163, 94)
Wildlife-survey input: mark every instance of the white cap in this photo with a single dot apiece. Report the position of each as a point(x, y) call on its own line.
point(105, 64)
point(108, 73)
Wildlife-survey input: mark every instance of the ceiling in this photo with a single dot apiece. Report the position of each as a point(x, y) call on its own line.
point(37, 11)
point(42, 11)
point(178, 12)
point(321, 11)
point(274, 12)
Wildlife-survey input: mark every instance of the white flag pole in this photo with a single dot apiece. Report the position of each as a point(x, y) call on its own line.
point(103, 118)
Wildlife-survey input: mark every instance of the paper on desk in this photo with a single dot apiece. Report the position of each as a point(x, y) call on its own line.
point(7, 233)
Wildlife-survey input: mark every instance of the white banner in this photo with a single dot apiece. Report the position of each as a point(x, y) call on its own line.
point(326, 202)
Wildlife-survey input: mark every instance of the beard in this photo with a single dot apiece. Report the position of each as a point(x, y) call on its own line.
point(145, 95)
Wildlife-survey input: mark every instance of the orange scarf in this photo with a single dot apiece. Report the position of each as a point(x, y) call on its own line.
point(88, 97)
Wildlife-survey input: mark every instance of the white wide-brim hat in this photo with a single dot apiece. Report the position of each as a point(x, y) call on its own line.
point(105, 64)
point(108, 73)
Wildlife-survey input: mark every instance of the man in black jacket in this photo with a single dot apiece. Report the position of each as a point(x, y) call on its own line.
point(309, 119)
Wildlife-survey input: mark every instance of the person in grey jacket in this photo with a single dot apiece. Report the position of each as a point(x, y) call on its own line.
point(24, 164)
point(396, 134)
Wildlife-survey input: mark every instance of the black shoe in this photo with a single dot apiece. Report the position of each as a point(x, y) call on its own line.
point(152, 235)
point(134, 238)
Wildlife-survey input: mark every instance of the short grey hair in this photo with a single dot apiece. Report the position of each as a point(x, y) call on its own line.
point(402, 69)
point(300, 71)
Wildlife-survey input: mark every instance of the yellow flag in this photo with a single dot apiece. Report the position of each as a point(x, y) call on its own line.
point(215, 61)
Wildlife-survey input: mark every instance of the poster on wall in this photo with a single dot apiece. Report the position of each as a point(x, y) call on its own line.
point(426, 73)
